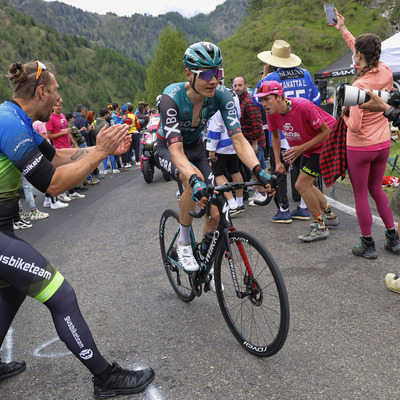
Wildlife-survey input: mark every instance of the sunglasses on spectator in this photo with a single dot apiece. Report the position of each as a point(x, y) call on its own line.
point(208, 74)
point(41, 67)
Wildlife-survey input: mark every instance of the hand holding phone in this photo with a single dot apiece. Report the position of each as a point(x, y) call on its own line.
point(330, 14)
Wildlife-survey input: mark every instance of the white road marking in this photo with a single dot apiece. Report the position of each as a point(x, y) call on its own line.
point(7, 346)
point(38, 351)
point(352, 211)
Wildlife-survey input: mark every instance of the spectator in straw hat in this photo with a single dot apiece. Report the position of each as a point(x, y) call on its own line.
point(296, 82)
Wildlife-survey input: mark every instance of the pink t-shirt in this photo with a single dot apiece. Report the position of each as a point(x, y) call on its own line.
point(56, 124)
point(301, 123)
point(40, 128)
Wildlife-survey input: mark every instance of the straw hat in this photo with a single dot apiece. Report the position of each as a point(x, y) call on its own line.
point(280, 55)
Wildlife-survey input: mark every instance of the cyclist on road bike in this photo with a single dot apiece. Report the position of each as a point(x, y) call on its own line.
point(185, 108)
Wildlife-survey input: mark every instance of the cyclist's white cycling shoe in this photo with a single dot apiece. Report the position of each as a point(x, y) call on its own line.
point(186, 257)
point(212, 282)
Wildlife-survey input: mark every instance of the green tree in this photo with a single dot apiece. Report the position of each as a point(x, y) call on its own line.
point(167, 66)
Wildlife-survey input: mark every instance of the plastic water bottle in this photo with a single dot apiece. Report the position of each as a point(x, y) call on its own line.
point(205, 243)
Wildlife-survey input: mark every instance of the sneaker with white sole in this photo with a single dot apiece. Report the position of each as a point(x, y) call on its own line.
point(36, 214)
point(116, 171)
point(186, 257)
point(22, 224)
point(107, 172)
point(393, 282)
point(300, 213)
point(258, 197)
point(331, 221)
point(76, 195)
point(282, 217)
point(315, 234)
point(211, 283)
point(24, 214)
point(63, 197)
point(58, 204)
point(235, 211)
point(47, 203)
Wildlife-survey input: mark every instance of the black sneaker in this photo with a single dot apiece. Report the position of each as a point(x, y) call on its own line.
point(392, 242)
point(235, 211)
point(7, 370)
point(123, 381)
point(365, 249)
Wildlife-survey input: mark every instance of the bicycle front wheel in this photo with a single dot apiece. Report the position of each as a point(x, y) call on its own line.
point(259, 316)
point(169, 234)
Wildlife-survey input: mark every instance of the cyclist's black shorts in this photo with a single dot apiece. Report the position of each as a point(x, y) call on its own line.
point(228, 162)
point(195, 153)
point(24, 268)
point(310, 165)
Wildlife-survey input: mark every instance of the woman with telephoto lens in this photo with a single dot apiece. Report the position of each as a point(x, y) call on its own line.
point(368, 142)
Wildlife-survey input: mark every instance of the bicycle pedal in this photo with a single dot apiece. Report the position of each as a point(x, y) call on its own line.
point(207, 284)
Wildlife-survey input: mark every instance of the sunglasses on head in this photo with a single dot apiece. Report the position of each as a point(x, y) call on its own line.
point(208, 74)
point(41, 67)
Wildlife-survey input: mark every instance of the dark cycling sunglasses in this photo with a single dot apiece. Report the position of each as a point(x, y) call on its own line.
point(41, 67)
point(208, 74)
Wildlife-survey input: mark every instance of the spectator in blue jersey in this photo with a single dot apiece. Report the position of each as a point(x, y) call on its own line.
point(296, 82)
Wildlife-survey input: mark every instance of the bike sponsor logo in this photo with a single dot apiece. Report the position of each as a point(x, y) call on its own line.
point(212, 246)
point(29, 167)
point(316, 122)
point(287, 131)
point(21, 143)
point(172, 121)
point(255, 348)
point(238, 239)
point(86, 354)
point(162, 223)
point(165, 164)
point(291, 74)
point(225, 210)
point(173, 92)
point(19, 263)
point(232, 115)
point(287, 127)
point(74, 331)
point(233, 272)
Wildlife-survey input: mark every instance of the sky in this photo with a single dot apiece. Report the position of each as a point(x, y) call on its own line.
point(155, 7)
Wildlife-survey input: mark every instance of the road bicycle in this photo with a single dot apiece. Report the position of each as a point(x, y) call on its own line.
point(250, 289)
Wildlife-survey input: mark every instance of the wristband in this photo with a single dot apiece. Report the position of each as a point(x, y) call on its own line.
point(256, 169)
point(388, 111)
point(193, 179)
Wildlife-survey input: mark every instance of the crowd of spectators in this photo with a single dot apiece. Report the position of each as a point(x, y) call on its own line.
point(79, 129)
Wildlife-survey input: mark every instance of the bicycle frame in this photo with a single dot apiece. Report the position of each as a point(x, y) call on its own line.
point(221, 238)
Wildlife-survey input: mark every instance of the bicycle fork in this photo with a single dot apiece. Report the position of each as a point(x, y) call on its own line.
point(252, 289)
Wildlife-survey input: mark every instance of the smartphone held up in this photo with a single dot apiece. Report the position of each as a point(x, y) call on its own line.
point(330, 13)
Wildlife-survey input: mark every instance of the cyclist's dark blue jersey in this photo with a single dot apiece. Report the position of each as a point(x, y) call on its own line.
point(176, 112)
point(22, 151)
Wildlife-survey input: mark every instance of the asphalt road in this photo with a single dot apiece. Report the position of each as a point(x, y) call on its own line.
point(344, 322)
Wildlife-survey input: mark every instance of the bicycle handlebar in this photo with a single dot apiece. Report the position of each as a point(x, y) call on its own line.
point(229, 187)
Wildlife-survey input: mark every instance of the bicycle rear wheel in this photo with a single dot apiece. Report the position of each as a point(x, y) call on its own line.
point(259, 320)
point(169, 234)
